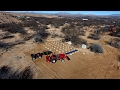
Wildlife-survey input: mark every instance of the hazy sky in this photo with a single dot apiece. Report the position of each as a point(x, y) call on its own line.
point(75, 12)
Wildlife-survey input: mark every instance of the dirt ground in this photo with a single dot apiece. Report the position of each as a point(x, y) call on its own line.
point(82, 65)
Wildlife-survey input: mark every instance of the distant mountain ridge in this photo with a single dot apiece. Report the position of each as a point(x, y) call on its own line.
point(115, 15)
point(65, 14)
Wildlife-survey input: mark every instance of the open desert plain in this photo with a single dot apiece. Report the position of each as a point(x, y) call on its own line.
point(24, 34)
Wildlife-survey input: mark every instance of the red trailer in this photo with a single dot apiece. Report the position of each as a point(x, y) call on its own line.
point(53, 58)
point(47, 58)
point(62, 56)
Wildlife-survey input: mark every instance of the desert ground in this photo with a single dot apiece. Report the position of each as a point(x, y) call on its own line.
point(82, 65)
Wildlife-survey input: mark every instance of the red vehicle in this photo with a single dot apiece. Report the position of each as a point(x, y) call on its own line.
point(53, 58)
point(47, 58)
point(62, 56)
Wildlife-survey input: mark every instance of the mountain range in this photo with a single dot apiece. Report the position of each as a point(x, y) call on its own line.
point(68, 14)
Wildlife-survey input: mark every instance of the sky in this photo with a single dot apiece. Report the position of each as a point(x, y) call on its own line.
point(75, 12)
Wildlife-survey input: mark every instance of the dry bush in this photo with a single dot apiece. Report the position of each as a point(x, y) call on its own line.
point(14, 28)
point(116, 34)
point(28, 38)
point(54, 35)
point(94, 36)
point(72, 31)
point(97, 31)
point(82, 32)
point(3, 45)
point(43, 34)
point(6, 37)
point(119, 58)
point(78, 41)
point(40, 28)
point(72, 34)
point(7, 73)
point(66, 38)
point(9, 45)
point(115, 42)
point(38, 39)
point(75, 40)
point(97, 48)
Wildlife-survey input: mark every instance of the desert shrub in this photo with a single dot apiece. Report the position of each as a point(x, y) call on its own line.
point(97, 48)
point(72, 34)
point(4, 72)
point(119, 58)
point(55, 25)
point(54, 35)
point(60, 36)
point(43, 34)
point(14, 28)
point(115, 42)
point(7, 73)
point(116, 34)
point(28, 38)
point(22, 31)
point(82, 32)
point(78, 41)
point(40, 28)
point(30, 23)
point(97, 31)
point(94, 36)
point(38, 39)
point(17, 42)
point(67, 38)
point(3, 45)
point(5, 37)
point(72, 30)
point(75, 40)
point(9, 45)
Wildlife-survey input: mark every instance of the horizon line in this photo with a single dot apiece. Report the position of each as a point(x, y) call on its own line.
point(56, 12)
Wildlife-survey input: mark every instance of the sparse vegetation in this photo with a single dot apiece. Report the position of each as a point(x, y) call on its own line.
point(115, 43)
point(72, 34)
point(7, 46)
point(14, 28)
point(5, 37)
point(97, 48)
point(7, 73)
point(38, 39)
point(117, 33)
point(94, 36)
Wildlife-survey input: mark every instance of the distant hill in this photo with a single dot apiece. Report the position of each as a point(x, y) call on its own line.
point(115, 15)
point(7, 18)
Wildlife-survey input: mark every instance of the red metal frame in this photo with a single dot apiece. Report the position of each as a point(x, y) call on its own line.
point(47, 58)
